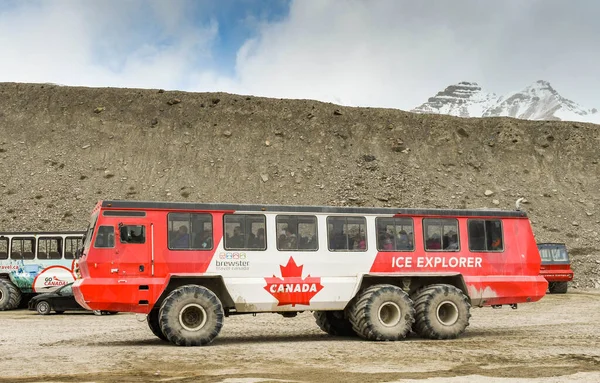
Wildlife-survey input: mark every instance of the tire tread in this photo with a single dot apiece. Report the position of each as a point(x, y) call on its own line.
point(423, 325)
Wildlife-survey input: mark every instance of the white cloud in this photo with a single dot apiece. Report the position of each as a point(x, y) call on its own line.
point(398, 53)
point(388, 53)
point(100, 44)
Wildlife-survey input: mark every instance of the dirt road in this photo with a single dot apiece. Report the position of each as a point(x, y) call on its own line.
point(554, 340)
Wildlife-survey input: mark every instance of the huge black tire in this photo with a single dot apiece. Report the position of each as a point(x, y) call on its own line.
point(10, 295)
point(558, 287)
point(334, 323)
point(442, 312)
point(191, 315)
point(382, 312)
point(154, 325)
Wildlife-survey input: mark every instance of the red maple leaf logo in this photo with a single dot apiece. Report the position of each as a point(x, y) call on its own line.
point(291, 289)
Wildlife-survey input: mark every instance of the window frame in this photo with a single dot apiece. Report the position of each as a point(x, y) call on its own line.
point(245, 215)
point(316, 234)
point(144, 233)
point(485, 233)
point(412, 221)
point(60, 245)
point(33, 247)
point(70, 238)
point(441, 250)
point(7, 240)
point(345, 217)
point(97, 231)
point(190, 214)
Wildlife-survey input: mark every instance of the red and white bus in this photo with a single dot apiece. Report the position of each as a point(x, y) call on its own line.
point(373, 272)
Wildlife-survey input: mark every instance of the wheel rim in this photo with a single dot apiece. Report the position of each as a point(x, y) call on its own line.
point(447, 313)
point(43, 307)
point(192, 317)
point(1, 295)
point(389, 314)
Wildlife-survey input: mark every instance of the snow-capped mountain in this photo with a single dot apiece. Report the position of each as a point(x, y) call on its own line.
point(539, 101)
point(465, 99)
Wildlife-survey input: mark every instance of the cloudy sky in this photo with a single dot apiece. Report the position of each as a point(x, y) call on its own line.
point(388, 53)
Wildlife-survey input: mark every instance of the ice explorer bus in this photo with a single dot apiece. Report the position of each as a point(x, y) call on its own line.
point(35, 262)
point(376, 273)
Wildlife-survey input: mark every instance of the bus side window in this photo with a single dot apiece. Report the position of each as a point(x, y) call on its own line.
point(71, 246)
point(395, 234)
point(347, 233)
point(105, 237)
point(131, 234)
point(296, 232)
point(49, 248)
point(485, 235)
point(3, 248)
point(441, 234)
point(189, 231)
point(23, 248)
point(244, 232)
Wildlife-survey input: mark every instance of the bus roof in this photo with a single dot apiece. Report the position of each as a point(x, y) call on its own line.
point(40, 232)
point(191, 206)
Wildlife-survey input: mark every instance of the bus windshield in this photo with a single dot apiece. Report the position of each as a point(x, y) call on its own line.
point(554, 254)
point(87, 238)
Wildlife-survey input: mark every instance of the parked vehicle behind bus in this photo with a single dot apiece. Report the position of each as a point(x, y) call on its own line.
point(377, 273)
point(556, 266)
point(35, 262)
point(59, 301)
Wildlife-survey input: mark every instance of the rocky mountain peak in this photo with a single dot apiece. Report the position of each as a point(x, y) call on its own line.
point(538, 101)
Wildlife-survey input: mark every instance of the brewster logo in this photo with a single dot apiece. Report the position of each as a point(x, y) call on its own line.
point(232, 261)
point(291, 289)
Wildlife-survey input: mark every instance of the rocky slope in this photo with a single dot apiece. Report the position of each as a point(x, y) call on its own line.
point(64, 148)
point(538, 101)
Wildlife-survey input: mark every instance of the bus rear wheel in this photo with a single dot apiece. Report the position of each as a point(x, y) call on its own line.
point(191, 315)
point(10, 295)
point(382, 312)
point(442, 312)
point(154, 325)
point(334, 323)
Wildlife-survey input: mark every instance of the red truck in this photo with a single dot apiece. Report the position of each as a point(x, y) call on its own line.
point(556, 266)
point(375, 273)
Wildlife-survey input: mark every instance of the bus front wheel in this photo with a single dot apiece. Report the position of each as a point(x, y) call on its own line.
point(191, 315)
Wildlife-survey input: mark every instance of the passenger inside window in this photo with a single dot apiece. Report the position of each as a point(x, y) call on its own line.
point(288, 239)
point(434, 242)
point(496, 244)
point(359, 241)
point(236, 241)
point(259, 241)
point(182, 238)
point(204, 241)
point(403, 242)
point(452, 241)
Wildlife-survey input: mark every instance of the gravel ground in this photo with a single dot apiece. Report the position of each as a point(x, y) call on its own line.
point(554, 340)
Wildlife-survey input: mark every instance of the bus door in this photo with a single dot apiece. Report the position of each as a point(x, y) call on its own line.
point(133, 248)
